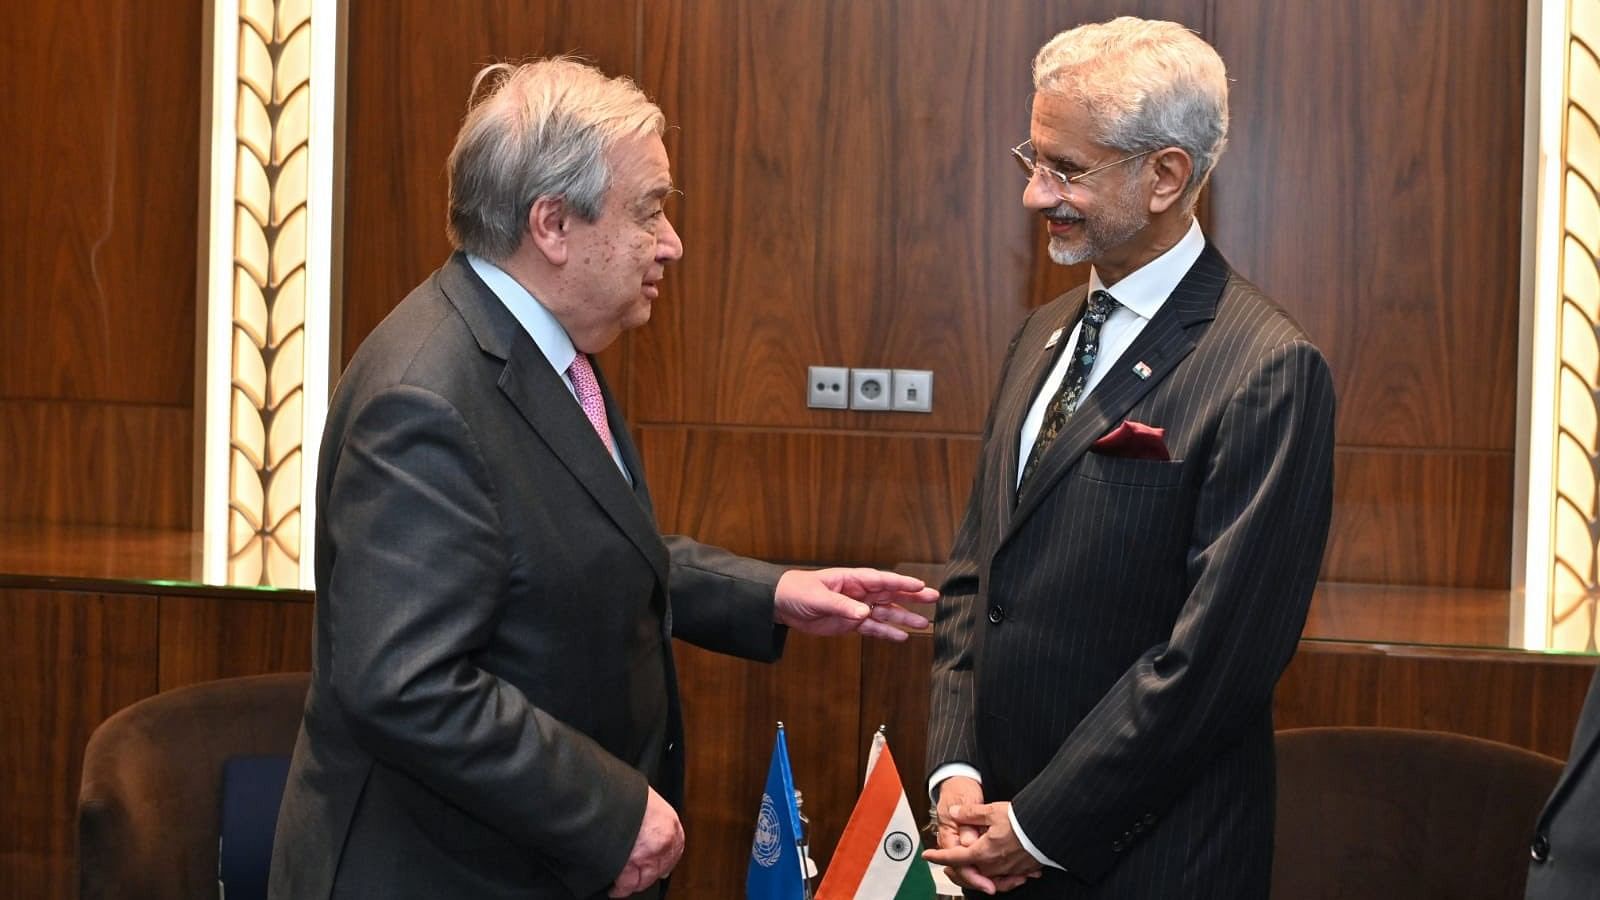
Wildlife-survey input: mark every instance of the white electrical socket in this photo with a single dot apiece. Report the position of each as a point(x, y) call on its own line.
point(913, 390)
point(870, 389)
point(826, 387)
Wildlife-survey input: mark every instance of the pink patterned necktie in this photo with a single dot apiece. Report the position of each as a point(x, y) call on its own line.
point(587, 387)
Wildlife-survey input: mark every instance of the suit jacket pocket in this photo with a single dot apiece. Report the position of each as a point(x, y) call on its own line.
point(1151, 473)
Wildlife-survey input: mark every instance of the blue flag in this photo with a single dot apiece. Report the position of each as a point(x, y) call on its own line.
point(776, 865)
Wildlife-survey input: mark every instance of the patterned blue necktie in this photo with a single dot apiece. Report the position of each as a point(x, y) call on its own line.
point(1101, 305)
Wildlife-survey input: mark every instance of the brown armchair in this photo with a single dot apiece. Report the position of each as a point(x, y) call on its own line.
point(1394, 813)
point(149, 805)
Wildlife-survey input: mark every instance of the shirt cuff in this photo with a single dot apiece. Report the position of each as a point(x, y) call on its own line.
point(950, 770)
point(1022, 838)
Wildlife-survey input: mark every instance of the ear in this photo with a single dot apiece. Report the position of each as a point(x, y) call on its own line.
point(547, 228)
point(1172, 169)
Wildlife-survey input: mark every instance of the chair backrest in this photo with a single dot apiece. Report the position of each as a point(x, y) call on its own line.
point(149, 806)
point(1392, 813)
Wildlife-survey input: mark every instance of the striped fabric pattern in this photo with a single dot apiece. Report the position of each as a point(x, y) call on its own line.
point(1109, 638)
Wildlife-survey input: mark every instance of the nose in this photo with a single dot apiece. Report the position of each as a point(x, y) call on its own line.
point(1039, 195)
point(669, 246)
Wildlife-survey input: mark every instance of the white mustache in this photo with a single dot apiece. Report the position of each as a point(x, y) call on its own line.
point(1063, 214)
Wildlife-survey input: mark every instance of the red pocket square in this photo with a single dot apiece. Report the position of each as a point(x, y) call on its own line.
point(1133, 440)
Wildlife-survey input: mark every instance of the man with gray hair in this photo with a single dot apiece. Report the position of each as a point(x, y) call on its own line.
point(1147, 519)
point(493, 708)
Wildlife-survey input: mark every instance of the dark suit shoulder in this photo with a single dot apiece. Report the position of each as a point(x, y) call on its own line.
point(423, 342)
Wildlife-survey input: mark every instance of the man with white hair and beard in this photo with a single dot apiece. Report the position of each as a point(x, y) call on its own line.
point(1147, 519)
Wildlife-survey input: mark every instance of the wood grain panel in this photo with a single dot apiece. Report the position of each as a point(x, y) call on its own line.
point(96, 464)
point(1421, 518)
point(809, 496)
point(752, 199)
point(97, 552)
point(1377, 613)
point(731, 708)
point(1373, 186)
point(901, 241)
point(204, 639)
point(71, 661)
point(98, 219)
point(1525, 700)
point(894, 694)
point(410, 66)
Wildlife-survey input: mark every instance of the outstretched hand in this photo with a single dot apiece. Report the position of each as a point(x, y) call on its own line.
point(839, 601)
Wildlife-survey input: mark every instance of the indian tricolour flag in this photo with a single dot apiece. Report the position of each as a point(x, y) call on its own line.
point(879, 857)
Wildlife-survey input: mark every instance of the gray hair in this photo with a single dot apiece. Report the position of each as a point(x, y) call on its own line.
point(1147, 85)
point(542, 130)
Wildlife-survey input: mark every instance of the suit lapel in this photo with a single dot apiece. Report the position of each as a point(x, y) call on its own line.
point(1161, 346)
point(537, 393)
point(1034, 362)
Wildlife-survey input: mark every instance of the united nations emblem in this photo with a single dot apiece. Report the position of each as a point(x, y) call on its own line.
point(898, 845)
point(769, 837)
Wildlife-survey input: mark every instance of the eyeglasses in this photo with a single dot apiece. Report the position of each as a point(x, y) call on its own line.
point(1060, 181)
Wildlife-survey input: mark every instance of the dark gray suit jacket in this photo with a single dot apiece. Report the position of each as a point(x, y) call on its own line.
point(1108, 641)
point(492, 685)
point(1566, 845)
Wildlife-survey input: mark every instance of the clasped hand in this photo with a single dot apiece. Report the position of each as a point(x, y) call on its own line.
point(976, 842)
point(838, 601)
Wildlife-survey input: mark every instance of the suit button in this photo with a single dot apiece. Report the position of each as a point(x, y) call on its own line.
point(1116, 846)
point(1540, 848)
point(672, 747)
point(997, 615)
point(1149, 818)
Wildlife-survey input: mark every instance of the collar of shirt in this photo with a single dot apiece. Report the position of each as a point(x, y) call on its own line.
point(542, 326)
point(537, 321)
point(1146, 288)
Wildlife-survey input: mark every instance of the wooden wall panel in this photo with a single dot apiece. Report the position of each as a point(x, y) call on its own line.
point(1425, 518)
point(895, 695)
point(889, 234)
point(731, 708)
point(203, 639)
point(1373, 186)
point(89, 463)
point(98, 222)
point(98, 227)
point(834, 498)
point(1524, 700)
point(410, 66)
point(71, 661)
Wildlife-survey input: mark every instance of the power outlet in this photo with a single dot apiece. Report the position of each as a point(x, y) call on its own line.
point(825, 387)
point(871, 389)
point(913, 390)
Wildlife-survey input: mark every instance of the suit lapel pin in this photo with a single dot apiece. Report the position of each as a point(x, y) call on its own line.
point(1141, 369)
point(1055, 338)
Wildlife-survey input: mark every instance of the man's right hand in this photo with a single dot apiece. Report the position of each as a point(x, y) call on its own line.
point(959, 790)
point(655, 850)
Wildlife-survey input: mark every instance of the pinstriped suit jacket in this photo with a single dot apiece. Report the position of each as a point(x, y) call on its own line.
point(1108, 640)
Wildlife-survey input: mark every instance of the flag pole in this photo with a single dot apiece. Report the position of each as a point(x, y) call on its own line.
point(802, 843)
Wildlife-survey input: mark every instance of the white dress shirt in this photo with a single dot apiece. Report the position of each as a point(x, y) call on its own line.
point(540, 325)
point(1140, 295)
